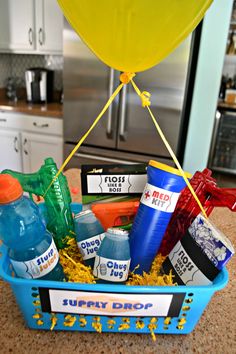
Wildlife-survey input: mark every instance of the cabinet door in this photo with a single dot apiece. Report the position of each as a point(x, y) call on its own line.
point(10, 150)
point(17, 31)
point(37, 147)
point(49, 26)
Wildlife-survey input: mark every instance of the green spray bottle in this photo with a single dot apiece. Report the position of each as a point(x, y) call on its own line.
point(57, 198)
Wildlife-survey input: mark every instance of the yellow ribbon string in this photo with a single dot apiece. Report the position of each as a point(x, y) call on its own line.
point(125, 78)
point(115, 93)
point(146, 103)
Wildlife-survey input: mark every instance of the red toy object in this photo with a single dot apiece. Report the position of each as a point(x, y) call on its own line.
point(115, 214)
point(187, 209)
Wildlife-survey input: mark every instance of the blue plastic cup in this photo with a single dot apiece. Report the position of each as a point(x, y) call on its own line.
point(164, 184)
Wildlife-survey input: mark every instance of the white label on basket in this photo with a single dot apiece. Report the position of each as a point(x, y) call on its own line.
point(116, 183)
point(88, 248)
point(110, 304)
point(186, 268)
point(110, 269)
point(158, 198)
point(37, 267)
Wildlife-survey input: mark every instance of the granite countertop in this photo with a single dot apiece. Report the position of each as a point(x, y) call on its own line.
point(54, 109)
point(215, 332)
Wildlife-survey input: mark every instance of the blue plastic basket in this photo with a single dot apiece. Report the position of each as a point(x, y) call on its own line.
point(37, 301)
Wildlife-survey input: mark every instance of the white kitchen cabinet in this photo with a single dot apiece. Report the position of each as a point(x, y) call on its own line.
point(36, 147)
point(10, 150)
point(33, 26)
point(17, 25)
point(49, 26)
point(26, 140)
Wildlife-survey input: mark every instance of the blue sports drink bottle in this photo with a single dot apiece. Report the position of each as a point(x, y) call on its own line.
point(32, 251)
point(89, 235)
point(113, 257)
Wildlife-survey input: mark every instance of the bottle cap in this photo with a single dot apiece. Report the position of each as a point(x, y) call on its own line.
point(10, 189)
point(117, 231)
point(82, 213)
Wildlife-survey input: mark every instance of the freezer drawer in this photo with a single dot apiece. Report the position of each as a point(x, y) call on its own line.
point(91, 155)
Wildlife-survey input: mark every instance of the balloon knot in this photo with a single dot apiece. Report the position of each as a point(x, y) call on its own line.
point(126, 77)
point(145, 98)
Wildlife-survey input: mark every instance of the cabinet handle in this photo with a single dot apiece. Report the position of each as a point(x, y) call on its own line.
point(41, 125)
point(30, 35)
point(3, 120)
point(16, 148)
point(24, 147)
point(41, 39)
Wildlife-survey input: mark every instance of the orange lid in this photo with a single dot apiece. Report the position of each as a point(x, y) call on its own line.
point(10, 189)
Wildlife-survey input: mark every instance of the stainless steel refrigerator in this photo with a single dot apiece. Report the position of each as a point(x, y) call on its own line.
point(126, 132)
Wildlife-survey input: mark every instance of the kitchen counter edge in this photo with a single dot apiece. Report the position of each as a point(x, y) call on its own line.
point(53, 110)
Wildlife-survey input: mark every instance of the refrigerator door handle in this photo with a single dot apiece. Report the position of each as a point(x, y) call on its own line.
point(109, 131)
point(123, 133)
point(104, 159)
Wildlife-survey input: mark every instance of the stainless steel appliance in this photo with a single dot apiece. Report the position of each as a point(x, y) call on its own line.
point(39, 85)
point(222, 156)
point(126, 132)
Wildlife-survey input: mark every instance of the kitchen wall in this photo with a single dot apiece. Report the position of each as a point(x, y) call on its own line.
point(16, 64)
point(5, 68)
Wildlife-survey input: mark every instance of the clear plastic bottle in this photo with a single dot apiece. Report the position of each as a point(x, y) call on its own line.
point(57, 198)
point(89, 235)
point(32, 251)
point(113, 257)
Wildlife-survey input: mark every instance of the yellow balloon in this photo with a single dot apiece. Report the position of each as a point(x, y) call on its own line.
point(133, 35)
